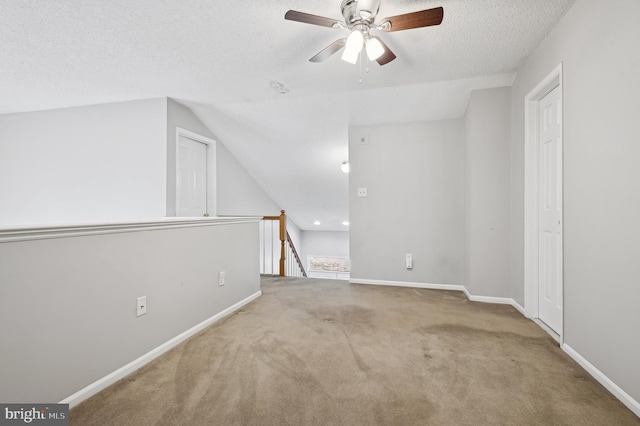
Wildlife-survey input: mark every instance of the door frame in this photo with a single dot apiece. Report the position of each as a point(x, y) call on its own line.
point(532, 191)
point(211, 167)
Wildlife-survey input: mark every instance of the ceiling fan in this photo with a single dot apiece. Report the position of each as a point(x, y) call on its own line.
point(359, 18)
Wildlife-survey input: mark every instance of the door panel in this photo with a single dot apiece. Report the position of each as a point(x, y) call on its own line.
point(192, 178)
point(550, 211)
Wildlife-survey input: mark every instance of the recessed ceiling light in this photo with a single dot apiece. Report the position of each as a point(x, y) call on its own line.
point(317, 222)
point(345, 223)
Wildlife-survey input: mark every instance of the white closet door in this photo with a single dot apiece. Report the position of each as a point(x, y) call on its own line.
point(550, 212)
point(192, 178)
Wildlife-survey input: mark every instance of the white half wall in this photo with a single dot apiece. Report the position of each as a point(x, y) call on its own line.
point(68, 304)
point(413, 173)
point(95, 163)
point(486, 203)
point(597, 43)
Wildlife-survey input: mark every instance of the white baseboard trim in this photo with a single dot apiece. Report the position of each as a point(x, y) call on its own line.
point(518, 307)
point(488, 299)
point(122, 372)
point(408, 284)
point(624, 397)
point(548, 330)
point(455, 287)
point(492, 299)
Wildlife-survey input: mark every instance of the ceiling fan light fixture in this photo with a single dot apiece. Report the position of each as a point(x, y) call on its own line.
point(353, 47)
point(356, 10)
point(374, 49)
point(368, 9)
point(351, 57)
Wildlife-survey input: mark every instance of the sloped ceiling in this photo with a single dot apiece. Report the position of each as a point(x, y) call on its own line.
point(220, 58)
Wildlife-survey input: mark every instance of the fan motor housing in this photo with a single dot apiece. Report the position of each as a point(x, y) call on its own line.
point(359, 10)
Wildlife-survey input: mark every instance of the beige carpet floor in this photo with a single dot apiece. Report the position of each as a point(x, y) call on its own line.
point(321, 352)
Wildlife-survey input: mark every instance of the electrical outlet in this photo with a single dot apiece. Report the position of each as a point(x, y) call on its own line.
point(141, 306)
point(408, 260)
point(362, 192)
point(221, 278)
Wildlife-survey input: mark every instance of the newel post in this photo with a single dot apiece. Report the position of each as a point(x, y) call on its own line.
point(283, 235)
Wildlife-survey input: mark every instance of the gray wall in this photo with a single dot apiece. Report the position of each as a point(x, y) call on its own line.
point(487, 170)
point(99, 163)
point(67, 305)
point(597, 42)
point(414, 176)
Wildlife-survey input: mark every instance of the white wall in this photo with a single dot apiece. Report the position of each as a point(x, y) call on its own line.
point(324, 243)
point(296, 236)
point(487, 170)
point(110, 162)
point(238, 192)
point(414, 176)
point(597, 42)
point(87, 164)
point(67, 305)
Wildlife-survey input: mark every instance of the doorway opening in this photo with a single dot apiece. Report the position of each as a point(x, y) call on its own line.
point(543, 239)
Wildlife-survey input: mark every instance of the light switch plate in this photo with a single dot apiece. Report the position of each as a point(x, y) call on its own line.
point(141, 306)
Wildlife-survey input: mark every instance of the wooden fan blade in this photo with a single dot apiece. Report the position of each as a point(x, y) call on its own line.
point(387, 56)
point(329, 50)
point(307, 18)
point(422, 18)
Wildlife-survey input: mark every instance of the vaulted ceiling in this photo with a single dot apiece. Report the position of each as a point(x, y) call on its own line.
point(220, 58)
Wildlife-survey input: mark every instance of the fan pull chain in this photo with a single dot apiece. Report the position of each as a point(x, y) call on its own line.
point(363, 57)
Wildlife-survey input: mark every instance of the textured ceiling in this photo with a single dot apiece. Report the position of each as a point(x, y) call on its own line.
point(220, 59)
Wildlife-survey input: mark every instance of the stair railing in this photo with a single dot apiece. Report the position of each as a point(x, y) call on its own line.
point(294, 265)
point(289, 263)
